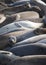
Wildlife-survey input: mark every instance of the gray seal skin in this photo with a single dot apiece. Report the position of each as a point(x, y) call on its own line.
point(6, 57)
point(42, 5)
point(8, 39)
point(13, 40)
point(16, 36)
point(16, 39)
point(29, 49)
point(30, 60)
point(12, 18)
point(28, 34)
point(13, 10)
point(4, 37)
point(31, 40)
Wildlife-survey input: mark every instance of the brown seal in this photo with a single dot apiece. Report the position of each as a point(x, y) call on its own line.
point(27, 15)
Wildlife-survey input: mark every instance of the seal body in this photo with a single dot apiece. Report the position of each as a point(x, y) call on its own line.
point(6, 57)
point(29, 49)
point(30, 60)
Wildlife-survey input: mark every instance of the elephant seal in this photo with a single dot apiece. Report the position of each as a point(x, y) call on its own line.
point(16, 39)
point(41, 4)
point(29, 49)
point(8, 39)
point(8, 10)
point(30, 60)
point(6, 57)
point(18, 26)
point(33, 39)
point(13, 30)
point(27, 15)
point(21, 8)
